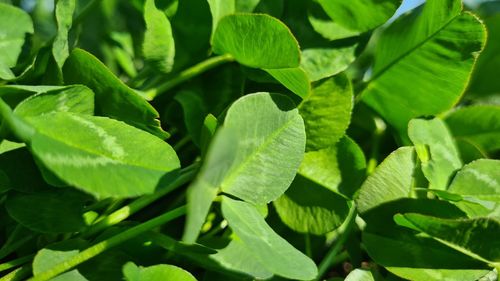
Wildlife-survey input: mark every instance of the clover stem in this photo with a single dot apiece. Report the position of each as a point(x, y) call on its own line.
point(14, 242)
point(123, 213)
point(16, 262)
point(185, 140)
point(107, 244)
point(375, 151)
point(343, 233)
point(307, 238)
point(18, 274)
point(187, 74)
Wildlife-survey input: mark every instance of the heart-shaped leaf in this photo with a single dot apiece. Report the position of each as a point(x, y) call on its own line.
point(254, 156)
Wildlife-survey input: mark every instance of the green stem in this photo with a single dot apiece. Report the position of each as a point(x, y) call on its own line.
point(307, 238)
point(107, 244)
point(187, 74)
point(185, 140)
point(123, 213)
point(11, 245)
point(343, 233)
point(18, 274)
point(13, 263)
point(375, 151)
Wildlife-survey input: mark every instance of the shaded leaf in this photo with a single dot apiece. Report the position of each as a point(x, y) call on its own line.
point(246, 6)
point(477, 125)
point(194, 113)
point(476, 238)
point(191, 26)
point(413, 256)
point(484, 82)
point(20, 171)
point(48, 212)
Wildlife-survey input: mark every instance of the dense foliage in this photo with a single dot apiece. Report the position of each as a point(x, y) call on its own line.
point(182, 140)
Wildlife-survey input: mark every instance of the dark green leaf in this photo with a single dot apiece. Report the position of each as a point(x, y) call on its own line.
point(476, 238)
point(478, 126)
point(55, 211)
point(411, 255)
